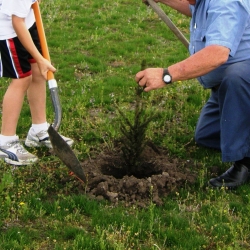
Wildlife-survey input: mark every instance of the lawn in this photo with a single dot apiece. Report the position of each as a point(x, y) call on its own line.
point(97, 48)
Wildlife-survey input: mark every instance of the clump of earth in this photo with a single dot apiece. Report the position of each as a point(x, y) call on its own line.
point(159, 176)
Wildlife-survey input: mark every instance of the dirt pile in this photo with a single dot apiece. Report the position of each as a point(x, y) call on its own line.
point(159, 175)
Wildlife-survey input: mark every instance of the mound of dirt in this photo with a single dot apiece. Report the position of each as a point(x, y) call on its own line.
point(158, 177)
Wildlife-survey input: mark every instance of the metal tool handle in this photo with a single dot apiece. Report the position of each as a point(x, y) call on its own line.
point(169, 23)
point(50, 75)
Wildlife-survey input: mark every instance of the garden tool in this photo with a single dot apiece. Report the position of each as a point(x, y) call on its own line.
point(50, 76)
point(65, 153)
point(168, 21)
point(61, 148)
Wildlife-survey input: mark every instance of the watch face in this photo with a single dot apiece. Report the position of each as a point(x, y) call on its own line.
point(167, 78)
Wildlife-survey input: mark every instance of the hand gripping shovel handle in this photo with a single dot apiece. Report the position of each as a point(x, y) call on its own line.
point(168, 21)
point(51, 80)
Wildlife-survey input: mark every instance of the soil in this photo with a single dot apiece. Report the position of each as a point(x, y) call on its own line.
point(159, 176)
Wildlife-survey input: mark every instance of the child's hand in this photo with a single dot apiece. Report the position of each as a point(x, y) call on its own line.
point(45, 66)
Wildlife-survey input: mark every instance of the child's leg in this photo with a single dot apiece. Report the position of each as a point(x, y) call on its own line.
point(38, 135)
point(12, 104)
point(37, 96)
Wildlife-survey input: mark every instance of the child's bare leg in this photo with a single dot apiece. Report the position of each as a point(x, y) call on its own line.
point(11, 149)
point(38, 135)
point(12, 104)
point(37, 96)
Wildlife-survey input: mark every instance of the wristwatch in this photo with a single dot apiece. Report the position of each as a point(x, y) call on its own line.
point(166, 77)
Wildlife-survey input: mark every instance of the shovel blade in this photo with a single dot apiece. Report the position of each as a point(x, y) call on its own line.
point(65, 153)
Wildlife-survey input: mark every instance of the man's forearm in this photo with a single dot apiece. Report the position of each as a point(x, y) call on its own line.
point(200, 63)
point(181, 6)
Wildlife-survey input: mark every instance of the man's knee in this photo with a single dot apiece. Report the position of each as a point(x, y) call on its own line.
point(207, 139)
point(199, 139)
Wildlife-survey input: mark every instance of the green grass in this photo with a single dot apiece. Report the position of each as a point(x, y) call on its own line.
point(97, 48)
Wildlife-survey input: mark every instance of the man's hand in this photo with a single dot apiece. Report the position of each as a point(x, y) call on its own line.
point(150, 79)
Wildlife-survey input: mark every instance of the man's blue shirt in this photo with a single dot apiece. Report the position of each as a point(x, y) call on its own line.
point(220, 22)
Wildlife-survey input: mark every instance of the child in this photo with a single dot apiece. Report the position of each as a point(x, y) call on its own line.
point(21, 60)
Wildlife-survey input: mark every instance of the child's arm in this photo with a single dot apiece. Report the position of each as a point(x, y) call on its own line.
point(26, 40)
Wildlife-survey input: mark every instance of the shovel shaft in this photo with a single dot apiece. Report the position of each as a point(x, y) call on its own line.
point(50, 75)
point(42, 37)
point(169, 23)
point(61, 148)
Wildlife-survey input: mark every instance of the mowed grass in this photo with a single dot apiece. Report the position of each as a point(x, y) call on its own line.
point(97, 48)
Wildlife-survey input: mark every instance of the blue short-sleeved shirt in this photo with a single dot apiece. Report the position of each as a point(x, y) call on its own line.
point(220, 22)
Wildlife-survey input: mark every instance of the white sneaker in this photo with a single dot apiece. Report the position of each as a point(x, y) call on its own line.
point(42, 139)
point(14, 153)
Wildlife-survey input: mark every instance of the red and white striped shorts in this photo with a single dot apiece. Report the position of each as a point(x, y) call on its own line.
point(15, 60)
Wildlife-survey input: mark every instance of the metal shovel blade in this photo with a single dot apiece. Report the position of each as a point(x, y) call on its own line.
point(65, 153)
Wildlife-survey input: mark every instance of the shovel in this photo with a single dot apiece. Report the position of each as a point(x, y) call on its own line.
point(61, 148)
point(169, 23)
